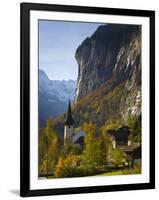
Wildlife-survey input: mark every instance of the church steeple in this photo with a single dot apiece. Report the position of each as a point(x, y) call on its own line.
point(68, 129)
point(69, 120)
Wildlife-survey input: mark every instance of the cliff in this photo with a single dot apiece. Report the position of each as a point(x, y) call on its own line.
point(109, 78)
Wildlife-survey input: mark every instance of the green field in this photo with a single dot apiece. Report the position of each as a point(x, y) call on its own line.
point(119, 172)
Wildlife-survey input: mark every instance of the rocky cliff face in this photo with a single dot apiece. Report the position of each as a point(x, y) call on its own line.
point(109, 75)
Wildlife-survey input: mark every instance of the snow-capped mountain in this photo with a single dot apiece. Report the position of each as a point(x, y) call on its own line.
point(53, 96)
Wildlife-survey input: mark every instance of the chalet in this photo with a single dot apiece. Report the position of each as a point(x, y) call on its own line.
point(120, 137)
point(120, 140)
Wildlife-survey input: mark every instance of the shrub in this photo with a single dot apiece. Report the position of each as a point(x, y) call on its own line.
point(118, 156)
point(66, 167)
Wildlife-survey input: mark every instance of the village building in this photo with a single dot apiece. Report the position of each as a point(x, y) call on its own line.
point(120, 140)
point(72, 135)
point(120, 137)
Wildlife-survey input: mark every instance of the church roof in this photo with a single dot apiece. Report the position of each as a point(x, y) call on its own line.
point(69, 119)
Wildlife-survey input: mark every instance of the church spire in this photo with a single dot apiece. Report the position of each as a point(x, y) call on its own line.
point(69, 120)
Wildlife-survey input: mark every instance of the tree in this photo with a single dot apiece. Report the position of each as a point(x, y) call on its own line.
point(91, 131)
point(66, 167)
point(48, 149)
point(94, 148)
point(71, 148)
point(135, 127)
point(118, 156)
point(59, 169)
point(109, 125)
point(94, 154)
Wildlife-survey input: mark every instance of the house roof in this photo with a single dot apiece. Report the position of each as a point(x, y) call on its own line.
point(77, 135)
point(120, 134)
point(130, 148)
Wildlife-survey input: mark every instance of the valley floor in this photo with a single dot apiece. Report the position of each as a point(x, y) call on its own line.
point(120, 172)
point(110, 173)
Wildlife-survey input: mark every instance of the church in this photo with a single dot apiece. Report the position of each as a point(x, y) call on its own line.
point(72, 135)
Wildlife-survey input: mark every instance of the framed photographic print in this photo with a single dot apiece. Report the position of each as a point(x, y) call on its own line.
point(87, 99)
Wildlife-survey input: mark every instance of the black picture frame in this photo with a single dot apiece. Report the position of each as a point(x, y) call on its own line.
point(25, 9)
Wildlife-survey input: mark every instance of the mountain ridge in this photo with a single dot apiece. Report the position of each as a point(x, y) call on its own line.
point(53, 96)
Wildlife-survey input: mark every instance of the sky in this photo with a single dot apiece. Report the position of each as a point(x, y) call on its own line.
point(58, 41)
